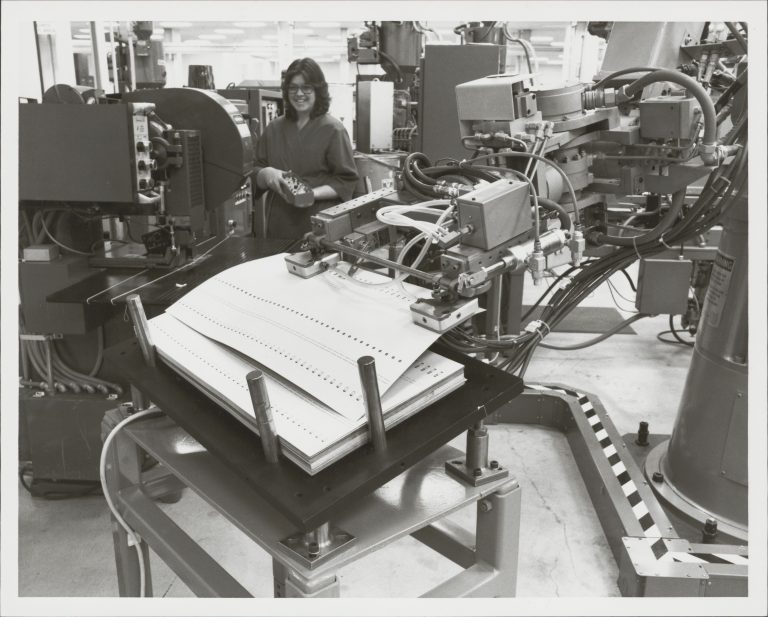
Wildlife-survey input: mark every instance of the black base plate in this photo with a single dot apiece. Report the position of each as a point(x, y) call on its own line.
point(685, 528)
point(309, 501)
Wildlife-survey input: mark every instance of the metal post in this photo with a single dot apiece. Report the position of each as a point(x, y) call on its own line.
point(366, 366)
point(263, 410)
point(49, 366)
point(141, 328)
point(477, 447)
point(493, 314)
point(318, 539)
point(131, 59)
point(24, 359)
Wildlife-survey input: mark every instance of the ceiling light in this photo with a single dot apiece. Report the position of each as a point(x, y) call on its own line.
point(541, 39)
point(157, 37)
point(229, 31)
point(324, 24)
point(194, 42)
point(212, 37)
point(85, 30)
point(250, 24)
point(269, 37)
point(82, 36)
point(303, 31)
point(176, 24)
point(334, 37)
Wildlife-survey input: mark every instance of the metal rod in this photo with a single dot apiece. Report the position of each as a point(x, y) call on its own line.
point(141, 328)
point(39, 60)
point(366, 366)
point(263, 410)
point(131, 59)
point(24, 360)
point(96, 48)
point(138, 400)
point(115, 79)
point(334, 246)
point(49, 366)
point(477, 447)
point(321, 536)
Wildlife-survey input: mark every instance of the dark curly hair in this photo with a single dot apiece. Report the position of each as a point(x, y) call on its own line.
point(313, 75)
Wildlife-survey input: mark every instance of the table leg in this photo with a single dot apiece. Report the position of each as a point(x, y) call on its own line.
point(123, 470)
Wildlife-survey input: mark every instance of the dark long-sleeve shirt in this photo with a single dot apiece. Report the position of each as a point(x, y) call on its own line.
point(320, 153)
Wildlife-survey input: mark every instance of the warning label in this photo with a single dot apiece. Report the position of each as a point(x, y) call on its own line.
point(718, 288)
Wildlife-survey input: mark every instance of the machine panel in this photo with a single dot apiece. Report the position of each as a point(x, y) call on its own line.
point(64, 156)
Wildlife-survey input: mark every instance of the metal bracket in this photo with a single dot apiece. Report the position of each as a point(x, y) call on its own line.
point(298, 546)
point(459, 470)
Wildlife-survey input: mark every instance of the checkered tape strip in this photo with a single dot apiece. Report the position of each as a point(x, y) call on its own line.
point(649, 527)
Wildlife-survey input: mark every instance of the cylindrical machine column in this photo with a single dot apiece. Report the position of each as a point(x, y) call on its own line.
point(704, 464)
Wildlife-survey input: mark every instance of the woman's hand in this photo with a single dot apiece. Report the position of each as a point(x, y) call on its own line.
point(272, 179)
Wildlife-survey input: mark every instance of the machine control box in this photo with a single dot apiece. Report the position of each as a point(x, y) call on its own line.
point(495, 213)
point(663, 285)
point(65, 155)
point(143, 147)
point(668, 117)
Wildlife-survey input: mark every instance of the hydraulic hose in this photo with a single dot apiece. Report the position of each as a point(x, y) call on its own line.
point(565, 220)
point(654, 234)
point(696, 89)
point(628, 71)
point(737, 35)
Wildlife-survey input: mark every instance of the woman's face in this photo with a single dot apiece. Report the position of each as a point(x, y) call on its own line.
point(301, 95)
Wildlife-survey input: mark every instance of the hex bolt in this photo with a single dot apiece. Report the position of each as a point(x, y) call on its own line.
point(477, 472)
point(657, 477)
point(494, 464)
point(642, 434)
point(709, 532)
point(485, 505)
point(313, 549)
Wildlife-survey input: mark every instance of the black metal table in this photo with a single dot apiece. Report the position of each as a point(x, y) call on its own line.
point(310, 501)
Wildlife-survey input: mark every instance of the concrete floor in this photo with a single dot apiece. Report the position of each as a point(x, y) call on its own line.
point(65, 547)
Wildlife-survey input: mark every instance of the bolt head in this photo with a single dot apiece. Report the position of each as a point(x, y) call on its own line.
point(494, 464)
point(477, 472)
point(657, 477)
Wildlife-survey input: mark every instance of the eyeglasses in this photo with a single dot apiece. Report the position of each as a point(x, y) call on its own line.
point(305, 89)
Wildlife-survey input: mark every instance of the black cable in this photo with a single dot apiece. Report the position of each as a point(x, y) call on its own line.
point(629, 278)
point(674, 332)
point(737, 35)
point(731, 90)
point(546, 292)
point(395, 65)
point(594, 341)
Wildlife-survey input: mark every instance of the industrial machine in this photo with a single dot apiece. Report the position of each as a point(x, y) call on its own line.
point(387, 105)
point(137, 60)
point(638, 165)
point(111, 191)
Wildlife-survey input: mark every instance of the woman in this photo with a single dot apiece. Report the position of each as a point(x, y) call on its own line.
point(309, 142)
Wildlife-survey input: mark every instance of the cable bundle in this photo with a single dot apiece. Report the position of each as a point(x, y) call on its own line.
point(65, 377)
point(398, 217)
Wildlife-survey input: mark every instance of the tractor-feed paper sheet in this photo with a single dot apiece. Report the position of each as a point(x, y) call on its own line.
point(311, 331)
